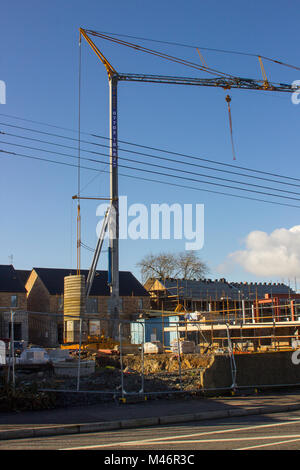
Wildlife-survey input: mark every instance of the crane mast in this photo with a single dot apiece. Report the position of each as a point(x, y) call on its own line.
point(113, 250)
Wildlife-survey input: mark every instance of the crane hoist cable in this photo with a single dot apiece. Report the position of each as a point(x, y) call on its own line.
point(228, 99)
point(78, 169)
point(205, 68)
point(153, 52)
point(210, 49)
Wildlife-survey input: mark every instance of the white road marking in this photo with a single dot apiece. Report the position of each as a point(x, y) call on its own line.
point(183, 436)
point(270, 444)
point(205, 441)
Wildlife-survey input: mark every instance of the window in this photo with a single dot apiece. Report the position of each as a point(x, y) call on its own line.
point(140, 303)
point(92, 305)
point(61, 302)
point(14, 301)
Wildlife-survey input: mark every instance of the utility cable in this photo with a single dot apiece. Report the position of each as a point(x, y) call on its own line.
point(154, 149)
point(139, 178)
point(162, 167)
point(179, 177)
point(215, 162)
point(149, 155)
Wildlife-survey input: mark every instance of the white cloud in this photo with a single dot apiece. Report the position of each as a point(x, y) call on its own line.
point(276, 254)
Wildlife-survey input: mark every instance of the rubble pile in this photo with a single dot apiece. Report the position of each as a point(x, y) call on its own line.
point(157, 373)
point(160, 363)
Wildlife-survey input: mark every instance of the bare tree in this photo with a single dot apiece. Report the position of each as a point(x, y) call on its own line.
point(158, 266)
point(190, 266)
point(186, 265)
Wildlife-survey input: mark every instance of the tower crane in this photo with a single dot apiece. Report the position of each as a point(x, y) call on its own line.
point(219, 79)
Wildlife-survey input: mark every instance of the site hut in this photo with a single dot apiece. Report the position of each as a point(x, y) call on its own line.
point(13, 298)
point(152, 328)
point(46, 294)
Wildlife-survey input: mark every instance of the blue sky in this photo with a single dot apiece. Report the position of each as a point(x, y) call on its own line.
point(39, 64)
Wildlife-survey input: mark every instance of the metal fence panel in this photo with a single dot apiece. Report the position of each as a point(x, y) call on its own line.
point(155, 355)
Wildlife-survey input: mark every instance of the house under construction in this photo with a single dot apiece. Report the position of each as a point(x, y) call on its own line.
point(251, 316)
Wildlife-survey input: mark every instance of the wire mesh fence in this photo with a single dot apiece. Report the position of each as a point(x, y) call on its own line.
point(147, 356)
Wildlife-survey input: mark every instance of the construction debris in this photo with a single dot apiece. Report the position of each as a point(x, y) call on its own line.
point(153, 347)
point(184, 346)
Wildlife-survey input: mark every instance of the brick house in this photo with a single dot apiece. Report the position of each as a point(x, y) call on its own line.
point(13, 297)
point(45, 287)
point(45, 293)
point(37, 297)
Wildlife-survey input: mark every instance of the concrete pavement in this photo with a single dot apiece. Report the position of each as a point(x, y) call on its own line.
point(111, 416)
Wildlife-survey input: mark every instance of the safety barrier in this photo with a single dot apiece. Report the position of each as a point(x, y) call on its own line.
point(147, 357)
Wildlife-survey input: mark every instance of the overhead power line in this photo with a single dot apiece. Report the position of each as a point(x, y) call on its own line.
point(172, 176)
point(165, 168)
point(139, 178)
point(151, 156)
point(165, 151)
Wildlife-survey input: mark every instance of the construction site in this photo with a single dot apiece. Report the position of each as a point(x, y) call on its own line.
point(103, 335)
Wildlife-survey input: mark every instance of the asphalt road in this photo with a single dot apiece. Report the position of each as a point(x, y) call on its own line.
point(280, 431)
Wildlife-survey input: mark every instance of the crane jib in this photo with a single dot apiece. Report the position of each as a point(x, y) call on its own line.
point(231, 82)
